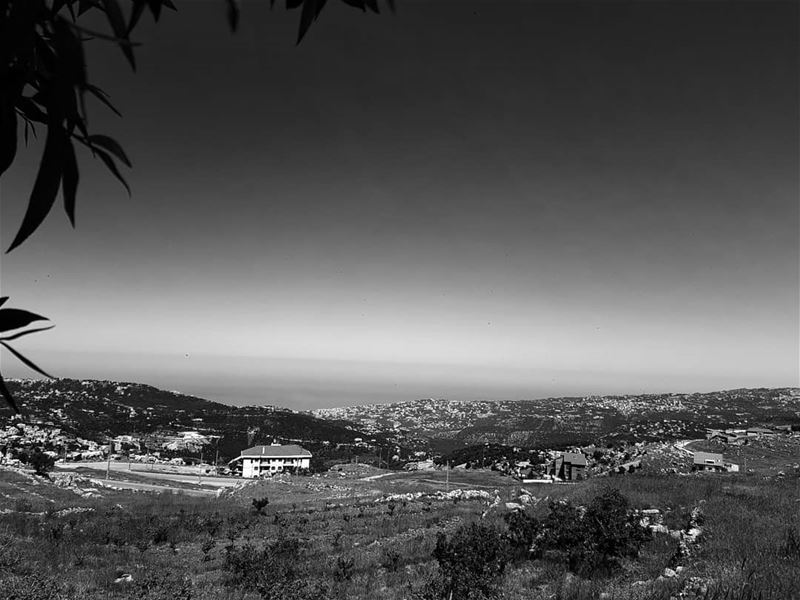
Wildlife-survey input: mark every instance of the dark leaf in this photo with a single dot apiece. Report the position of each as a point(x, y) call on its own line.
point(290, 4)
point(136, 13)
point(111, 146)
point(356, 4)
point(24, 333)
point(70, 49)
point(45, 188)
point(169, 4)
point(7, 395)
point(372, 5)
point(69, 181)
point(103, 97)
point(8, 133)
point(233, 14)
point(307, 17)
point(17, 318)
point(112, 166)
point(29, 363)
point(391, 5)
point(155, 8)
point(84, 5)
point(3, 300)
point(31, 110)
point(120, 29)
point(121, 42)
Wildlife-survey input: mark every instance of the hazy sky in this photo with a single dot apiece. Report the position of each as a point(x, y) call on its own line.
point(465, 200)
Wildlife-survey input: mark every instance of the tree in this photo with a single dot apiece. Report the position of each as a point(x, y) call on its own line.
point(471, 563)
point(44, 84)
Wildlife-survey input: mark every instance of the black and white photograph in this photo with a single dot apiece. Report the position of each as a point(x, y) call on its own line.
point(399, 300)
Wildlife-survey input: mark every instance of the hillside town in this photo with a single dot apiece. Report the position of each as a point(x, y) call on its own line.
point(408, 435)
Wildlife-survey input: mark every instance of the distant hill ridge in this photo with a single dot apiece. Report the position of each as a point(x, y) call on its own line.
point(96, 409)
point(573, 420)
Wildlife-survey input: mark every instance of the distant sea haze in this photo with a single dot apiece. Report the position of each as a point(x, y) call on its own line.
point(309, 384)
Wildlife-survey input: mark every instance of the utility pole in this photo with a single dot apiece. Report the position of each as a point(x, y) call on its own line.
point(108, 462)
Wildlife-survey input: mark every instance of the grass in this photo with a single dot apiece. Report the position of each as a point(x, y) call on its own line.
point(178, 547)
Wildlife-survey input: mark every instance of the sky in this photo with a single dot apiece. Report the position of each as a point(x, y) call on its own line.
point(494, 200)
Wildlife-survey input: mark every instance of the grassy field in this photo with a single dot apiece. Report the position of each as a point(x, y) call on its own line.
point(339, 537)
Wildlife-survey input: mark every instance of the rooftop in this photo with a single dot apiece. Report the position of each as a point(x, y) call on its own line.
point(575, 458)
point(707, 458)
point(276, 451)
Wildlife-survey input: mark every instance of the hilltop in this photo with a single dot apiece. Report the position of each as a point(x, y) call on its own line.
point(551, 422)
point(98, 409)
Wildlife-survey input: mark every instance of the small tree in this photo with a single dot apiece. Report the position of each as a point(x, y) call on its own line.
point(42, 463)
point(470, 563)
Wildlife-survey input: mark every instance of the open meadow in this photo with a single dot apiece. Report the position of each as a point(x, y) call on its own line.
point(365, 533)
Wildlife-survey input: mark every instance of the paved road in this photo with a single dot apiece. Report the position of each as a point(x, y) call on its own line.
point(130, 485)
point(144, 471)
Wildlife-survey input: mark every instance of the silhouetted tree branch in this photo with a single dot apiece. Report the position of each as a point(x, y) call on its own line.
point(44, 85)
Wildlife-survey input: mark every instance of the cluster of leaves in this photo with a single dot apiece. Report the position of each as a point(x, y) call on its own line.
point(593, 541)
point(471, 563)
point(42, 463)
point(16, 320)
point(44, 84)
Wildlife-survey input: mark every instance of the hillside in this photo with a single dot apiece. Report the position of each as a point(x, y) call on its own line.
point(552, 422)
point(98, 409)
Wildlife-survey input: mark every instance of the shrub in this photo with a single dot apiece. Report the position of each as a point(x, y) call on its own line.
point(471, 563)
point(522, 532)
point(593, 541)
point(276, 572)
point(31, 587)
point(344, 569)
point(390, 560)
point(259, 504)
point(42, 463)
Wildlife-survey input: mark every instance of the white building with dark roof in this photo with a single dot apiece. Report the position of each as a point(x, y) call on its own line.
point(268, 460)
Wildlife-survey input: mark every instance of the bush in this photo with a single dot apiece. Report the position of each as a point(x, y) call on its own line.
point(259, 504)
point(42, 463)
point(470, 564)
point(276, 572)
point(522, 532)
point(31, 587)
point(594, 540)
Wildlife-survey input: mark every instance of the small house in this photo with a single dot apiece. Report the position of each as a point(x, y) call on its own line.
point(268, 460)
point(708, 461)
point(570, 466)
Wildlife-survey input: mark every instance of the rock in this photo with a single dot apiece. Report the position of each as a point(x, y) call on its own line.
point(669, 573)
point(514, 506)
point(124, 578)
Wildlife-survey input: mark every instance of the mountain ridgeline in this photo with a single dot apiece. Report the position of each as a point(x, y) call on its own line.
point(98, 409)
point(554, 422)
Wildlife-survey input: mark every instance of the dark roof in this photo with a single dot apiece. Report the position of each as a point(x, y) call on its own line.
point(575, 458)
point(287, 451)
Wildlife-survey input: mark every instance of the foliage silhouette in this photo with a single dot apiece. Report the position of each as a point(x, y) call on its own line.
point(44, 83)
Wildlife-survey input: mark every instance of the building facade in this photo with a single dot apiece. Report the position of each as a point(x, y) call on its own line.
point(570, 466)
point(275, 458)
